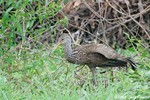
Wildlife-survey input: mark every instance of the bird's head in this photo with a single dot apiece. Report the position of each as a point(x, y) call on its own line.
point(63, 39)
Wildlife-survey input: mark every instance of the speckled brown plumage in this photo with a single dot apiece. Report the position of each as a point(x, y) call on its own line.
point(93, 55)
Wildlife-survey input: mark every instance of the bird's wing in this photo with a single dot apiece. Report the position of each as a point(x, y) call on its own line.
point(108, 52)
point(96, 58)
point(100, 60)
point(102, 49)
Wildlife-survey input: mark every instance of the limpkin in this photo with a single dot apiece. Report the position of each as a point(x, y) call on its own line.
point(93, 55)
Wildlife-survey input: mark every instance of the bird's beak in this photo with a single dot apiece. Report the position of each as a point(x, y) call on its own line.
point(55, 47)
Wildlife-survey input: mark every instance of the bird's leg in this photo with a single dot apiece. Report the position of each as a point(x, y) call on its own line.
point(81, 79)
point(93, 70)
point(76, 70)
point(79, 68)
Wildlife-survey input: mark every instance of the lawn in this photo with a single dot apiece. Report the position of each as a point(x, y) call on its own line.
point(32, 74)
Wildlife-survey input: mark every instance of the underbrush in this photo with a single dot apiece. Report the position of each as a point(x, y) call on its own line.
point(33, 75)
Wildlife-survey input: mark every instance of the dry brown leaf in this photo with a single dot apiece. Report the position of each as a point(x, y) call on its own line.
point(68, 7)
point(76, 3)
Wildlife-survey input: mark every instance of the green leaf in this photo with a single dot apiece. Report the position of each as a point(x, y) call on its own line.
point(6, 14)
point(131, 49)
point(30, 24)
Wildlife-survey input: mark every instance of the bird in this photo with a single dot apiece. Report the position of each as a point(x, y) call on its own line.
point(93, 55)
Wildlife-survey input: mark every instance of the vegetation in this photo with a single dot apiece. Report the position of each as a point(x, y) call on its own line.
point(27, 72)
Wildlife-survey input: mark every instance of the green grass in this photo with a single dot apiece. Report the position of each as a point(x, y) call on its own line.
point(27, 72)
point(34, 75)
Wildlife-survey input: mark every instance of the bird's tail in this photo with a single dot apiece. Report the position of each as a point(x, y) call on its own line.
point(133, 65)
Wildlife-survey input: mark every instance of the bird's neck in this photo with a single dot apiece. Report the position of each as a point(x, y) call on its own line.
point(68, 49)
